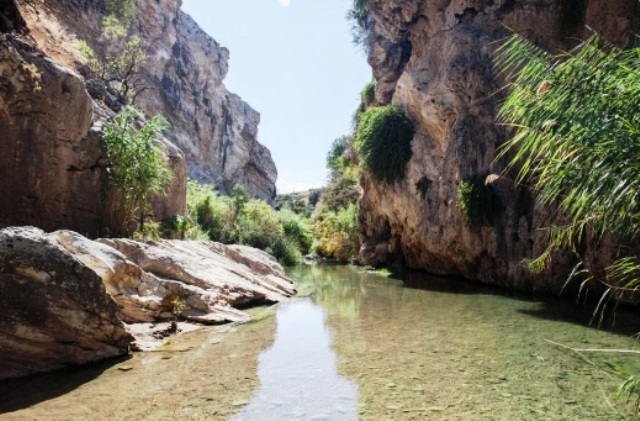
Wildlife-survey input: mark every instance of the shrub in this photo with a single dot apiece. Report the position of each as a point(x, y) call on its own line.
point(297, 228)
point(286, 251)
point(176, 226)
point(368, 94)
point(340, 193)
point(214, 215)
point(383, 142)
point(361, 23)
point(337, 234)
point(478, 203)
point(136, 168)
point(336, 158)
point(258, 225)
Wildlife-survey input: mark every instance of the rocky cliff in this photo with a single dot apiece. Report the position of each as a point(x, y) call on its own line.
point(215, 129)
point(434, 58)
point(51, 161)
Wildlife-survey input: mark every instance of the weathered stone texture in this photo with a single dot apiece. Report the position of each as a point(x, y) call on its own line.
point(55, 311)
point(435, 59)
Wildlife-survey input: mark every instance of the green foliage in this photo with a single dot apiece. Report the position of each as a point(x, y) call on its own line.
point(337, 234)
point(121, 9)
point(302, 203)
point(360, 22)
point(116, 60)
point(576, 119)
point(368, 94)
point(297, 228)
point(383, 142)
point(136, 168)
point(258, 225)
point(367, 100)
point(340, 192)
point(287, 252)
point(243, 220)
point(176, 226)
point(337, 159)
point(477, 202)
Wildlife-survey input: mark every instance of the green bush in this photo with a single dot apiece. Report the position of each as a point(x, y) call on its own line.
point(337, 234)
point(478, 203)
point(213, 215)
point(286, 251)
point(137, 169)
point(368, 94)
point(297, 228)
point(383, 142)
point(258, 225)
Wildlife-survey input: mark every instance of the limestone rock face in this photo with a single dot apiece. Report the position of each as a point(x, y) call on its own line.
point(49, 160)
point(56, 311)
point(51, 157)
point(434, 58)
point(209, 278)
point(64, 297)
point(215, 128)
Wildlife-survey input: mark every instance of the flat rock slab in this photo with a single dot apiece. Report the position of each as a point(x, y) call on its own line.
point(64, 298)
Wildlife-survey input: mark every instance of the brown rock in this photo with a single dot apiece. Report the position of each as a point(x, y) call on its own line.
point(55, 310)
point(434, 58)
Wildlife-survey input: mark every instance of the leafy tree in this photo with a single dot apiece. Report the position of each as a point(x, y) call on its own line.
point(576, 119)
point(337, 234)
point(136, 168)
point(116, 60)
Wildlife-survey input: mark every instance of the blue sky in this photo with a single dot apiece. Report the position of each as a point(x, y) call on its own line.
point(293, 61)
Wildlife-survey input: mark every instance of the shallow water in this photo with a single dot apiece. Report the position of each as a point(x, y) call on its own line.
point(361, 346)
point(435, 348)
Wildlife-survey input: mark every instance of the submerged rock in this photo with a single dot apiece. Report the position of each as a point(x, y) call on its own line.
point(55, 310)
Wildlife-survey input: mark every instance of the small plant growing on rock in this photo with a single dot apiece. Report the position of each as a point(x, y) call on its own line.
point(116, 61)
point(383, 142)
point(477, 202)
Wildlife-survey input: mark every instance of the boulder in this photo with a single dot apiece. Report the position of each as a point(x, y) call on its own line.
point(56, 311)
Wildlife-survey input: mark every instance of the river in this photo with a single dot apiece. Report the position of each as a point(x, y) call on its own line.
point(361, 345)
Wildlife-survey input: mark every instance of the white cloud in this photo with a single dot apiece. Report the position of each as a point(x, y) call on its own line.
point(284, 3)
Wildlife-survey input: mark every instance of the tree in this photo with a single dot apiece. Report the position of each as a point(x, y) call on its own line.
point(576, 118)
point(136, 169)
point(116, 61)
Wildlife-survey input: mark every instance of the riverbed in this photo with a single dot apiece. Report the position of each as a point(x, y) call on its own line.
point(361, 345)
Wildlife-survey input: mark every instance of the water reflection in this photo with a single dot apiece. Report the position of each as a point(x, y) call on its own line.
point(433, 348)
point(298, 375)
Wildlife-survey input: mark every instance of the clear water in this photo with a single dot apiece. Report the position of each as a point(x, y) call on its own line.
point(366, 347)
point(298, 374)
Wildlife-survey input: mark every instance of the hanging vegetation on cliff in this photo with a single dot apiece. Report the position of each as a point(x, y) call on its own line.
point(577, 139)
point(383, 142)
